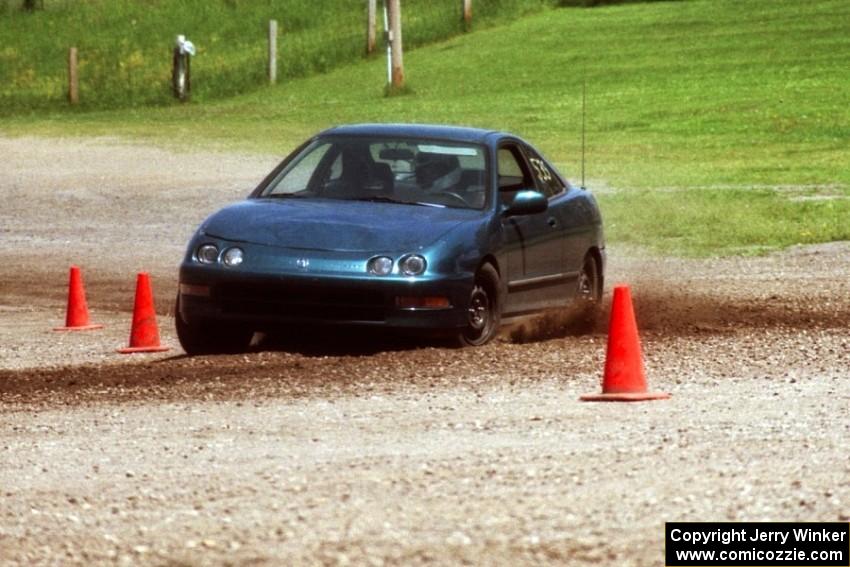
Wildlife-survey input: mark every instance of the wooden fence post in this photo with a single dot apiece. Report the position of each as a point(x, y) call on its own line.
point(395, 40)
point(181, 70)
point(370, 27)
point(73, 80)
point(467, 14)
point(272, 51)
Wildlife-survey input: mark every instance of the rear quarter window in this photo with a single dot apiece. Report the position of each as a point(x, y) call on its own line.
point(548, 182)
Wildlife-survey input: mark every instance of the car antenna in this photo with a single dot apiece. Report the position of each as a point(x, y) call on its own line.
point(583, 122)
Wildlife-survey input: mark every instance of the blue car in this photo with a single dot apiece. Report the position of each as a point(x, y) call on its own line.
point(437, 229)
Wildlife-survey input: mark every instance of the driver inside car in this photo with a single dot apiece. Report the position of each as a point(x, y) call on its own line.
point(437, 173)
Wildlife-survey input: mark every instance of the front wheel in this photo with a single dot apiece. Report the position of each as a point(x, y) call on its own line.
point(210, 337)
point(484, 312)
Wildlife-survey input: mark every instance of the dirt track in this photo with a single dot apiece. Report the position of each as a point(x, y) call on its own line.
point(373, 451)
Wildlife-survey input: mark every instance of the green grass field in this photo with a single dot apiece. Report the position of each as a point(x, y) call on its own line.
point(125, 45)
point(714, 126)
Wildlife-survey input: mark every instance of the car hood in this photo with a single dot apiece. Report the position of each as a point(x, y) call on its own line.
point(335, 225)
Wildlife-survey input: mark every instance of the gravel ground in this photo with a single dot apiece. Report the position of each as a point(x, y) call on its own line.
point(376, 451)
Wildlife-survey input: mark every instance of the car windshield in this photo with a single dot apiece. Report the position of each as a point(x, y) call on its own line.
point(400, 170)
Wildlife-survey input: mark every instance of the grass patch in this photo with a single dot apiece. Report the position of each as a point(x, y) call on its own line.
point(711, 221)
point(392, 90)
point(125, 45)
point(722, 100)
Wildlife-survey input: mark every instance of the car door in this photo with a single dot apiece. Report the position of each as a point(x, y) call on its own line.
point(569, 211)
point(533, 243)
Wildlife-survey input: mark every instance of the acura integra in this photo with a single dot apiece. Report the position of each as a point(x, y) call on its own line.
point(437, 229)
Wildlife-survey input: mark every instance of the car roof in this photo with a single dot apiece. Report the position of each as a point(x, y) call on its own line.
point(453, 133)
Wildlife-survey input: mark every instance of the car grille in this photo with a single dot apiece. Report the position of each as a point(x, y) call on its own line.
point(300, 301)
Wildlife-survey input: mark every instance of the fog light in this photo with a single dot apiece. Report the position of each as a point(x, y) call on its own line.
point(380, 265)
point(427, 302)
point(207, 254)
point(232, 257)
point(192, 289)
point(412, 265)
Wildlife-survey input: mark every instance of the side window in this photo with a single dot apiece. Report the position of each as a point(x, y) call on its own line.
point(513, 172)
point(547, 181)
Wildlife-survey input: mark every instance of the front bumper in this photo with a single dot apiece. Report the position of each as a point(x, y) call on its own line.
point(266, 301)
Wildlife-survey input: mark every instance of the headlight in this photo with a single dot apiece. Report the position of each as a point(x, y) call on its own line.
point(207, 254)
point(232, 257)
point(380, 265)
point(412, 265)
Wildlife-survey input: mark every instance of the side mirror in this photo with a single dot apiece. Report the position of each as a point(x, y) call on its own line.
point(527, 202)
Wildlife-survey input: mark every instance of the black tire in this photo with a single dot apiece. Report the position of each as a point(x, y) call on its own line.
point(484, 309)
point(211, 337)
point(588, 299)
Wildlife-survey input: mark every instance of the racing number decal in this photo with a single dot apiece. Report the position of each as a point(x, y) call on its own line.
point(541, 170)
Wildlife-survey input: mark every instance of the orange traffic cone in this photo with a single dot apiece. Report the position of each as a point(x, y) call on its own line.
point(624, 380)
point(77, 312)
point(144, 334)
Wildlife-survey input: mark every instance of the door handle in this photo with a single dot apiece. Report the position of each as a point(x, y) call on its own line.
point(552, 221)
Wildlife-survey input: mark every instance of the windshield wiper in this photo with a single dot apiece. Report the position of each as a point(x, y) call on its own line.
point(384, 199)
point(283, 196)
